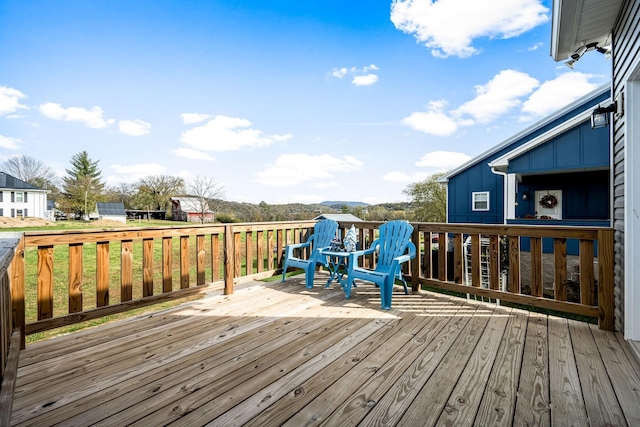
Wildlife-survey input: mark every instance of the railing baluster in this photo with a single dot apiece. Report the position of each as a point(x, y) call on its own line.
point(75, 277)
point(476, 267)
point(560, 269)
point(238, 255)
point(514, 265)
point(45, 282)
point(536, 267)
point(184, 262)
point(228, 260)
point(126, 272)
point(260, 250)
point(147, 267)
point(494, 262)
point(200, 254)
point(167, 264)
point(457, 258)
point(442, 257)
point(215, 257)
point(102, 274)
point(248, 244)
point(587, 278)
point(270, 247)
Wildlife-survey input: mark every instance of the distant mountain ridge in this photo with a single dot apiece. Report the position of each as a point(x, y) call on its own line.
point(333, 204)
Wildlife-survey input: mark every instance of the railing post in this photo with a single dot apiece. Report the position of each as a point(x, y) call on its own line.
point(415, 263)
point(16, 275)
point(229, 259)
point(605, 279)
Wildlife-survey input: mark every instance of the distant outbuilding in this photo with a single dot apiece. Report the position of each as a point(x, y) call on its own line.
point(338, 217)
point(112, 211)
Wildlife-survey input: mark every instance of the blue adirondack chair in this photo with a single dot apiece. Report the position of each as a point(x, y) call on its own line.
point(392, 246)
point(323, 232)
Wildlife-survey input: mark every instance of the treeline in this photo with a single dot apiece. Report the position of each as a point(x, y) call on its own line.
point(78, 191)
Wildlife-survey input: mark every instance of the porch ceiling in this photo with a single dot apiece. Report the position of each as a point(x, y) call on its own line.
point(576, 23)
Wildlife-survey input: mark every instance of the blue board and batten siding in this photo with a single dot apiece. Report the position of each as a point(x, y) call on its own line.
point(577, 150)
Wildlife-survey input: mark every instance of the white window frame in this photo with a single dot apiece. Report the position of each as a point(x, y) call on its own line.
point(474, 195)
point(19, 197)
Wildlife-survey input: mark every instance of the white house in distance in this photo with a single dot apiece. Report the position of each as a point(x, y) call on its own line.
point(19, 199)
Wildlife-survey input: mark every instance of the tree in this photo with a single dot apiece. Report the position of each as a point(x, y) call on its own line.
point(207, 194)
point(33, 171)
point(429, 198)
point(82, 187)
point(155, 192)
point(121, 192)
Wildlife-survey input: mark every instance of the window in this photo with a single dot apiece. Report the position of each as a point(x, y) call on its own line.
point(480, 201)
point(19, 197)
point(19, 213)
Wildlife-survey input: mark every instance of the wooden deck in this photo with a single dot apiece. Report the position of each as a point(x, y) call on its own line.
point(280, 355)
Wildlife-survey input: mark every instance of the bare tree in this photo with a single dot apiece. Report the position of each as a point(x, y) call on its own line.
point(31, 170)
point(155, 192)
point(207, 194)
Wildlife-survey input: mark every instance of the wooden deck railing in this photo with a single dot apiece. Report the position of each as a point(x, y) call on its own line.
point(489, 261)
point(73, 276)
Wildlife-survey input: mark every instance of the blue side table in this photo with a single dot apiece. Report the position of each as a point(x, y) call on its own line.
point(337, 267)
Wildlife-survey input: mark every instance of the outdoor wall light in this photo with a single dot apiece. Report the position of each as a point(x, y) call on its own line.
point(600, 116)
point(525, 196)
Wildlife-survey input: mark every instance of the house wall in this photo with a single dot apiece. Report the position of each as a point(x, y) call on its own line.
point(626, 161)
point(478, 177)
point(578, 148)
point(36, 204)
point(585, 195)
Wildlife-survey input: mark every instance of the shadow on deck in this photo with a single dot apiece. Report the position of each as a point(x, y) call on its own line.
point(277, 354)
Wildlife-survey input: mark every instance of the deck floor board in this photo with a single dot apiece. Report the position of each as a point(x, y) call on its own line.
point(279, 354)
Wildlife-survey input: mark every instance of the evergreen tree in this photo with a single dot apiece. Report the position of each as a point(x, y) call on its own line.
point(82, 187)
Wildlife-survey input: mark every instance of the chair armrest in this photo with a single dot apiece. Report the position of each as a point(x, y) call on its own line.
point(406, 257)
point(292, 246)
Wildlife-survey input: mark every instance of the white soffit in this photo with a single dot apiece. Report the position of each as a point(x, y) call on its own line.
point(576, 23)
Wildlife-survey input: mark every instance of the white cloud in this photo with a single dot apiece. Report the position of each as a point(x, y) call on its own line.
point(366, 80)
point(224, 133)
point(448, 27)
point(441, 161)
point(292, 169)
point(134, 127)
point(339, 72)
point(10, 100)
point(133, 173)
point(361, 76)
point(555, 94)
point(91, 118)
point(535, 46)
point(434, 162)
point(190, 118)
point(497, 97)
point(281, 138)
point(188, 153)
point(433, 122)
point(9, 143)
point(404, 177)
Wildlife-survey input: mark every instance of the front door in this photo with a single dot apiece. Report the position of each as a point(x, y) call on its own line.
point(549, 204)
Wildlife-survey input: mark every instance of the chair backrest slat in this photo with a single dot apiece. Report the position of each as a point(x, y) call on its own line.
point(394, 239)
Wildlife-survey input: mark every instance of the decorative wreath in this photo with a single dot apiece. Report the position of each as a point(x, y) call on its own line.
point(548, 201)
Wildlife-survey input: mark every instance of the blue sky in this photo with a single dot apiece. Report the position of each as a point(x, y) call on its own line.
point(280, 101)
